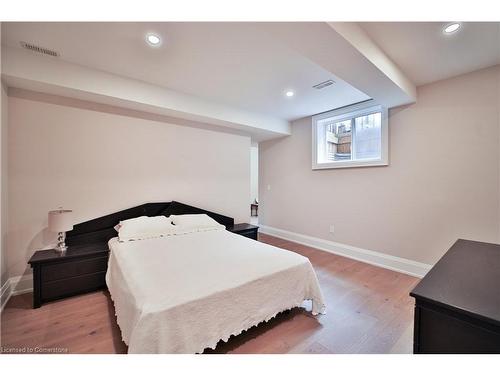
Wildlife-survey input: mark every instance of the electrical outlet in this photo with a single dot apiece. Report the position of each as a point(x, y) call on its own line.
point(332, 229)
point(268, 187)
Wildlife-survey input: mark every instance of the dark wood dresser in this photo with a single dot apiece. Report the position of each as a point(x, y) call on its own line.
point(457, 304)
point(81, 269)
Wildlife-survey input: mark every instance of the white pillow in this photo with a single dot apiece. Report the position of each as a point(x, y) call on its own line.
point(143, 227)
point(199, 222)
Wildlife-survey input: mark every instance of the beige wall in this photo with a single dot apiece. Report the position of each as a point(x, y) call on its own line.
point(3, 185)
point(442, 182)
point(97, 163)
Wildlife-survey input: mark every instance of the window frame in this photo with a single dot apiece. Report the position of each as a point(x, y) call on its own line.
point(346, 113)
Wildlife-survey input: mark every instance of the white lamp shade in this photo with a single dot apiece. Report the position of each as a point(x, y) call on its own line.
point(60, 220)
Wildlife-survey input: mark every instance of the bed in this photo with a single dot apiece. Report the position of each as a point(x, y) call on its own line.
point(183, 293)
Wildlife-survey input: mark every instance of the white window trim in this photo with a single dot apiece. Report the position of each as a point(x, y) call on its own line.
point(355, 110)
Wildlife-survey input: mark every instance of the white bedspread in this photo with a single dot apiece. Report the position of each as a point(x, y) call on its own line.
point(184, 293)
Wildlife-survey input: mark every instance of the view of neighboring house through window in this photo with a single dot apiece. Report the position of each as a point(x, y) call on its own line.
point(350, 137)
point(339, 140)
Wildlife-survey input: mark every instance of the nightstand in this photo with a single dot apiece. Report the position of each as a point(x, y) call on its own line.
point(81, 269)
point(244, 229)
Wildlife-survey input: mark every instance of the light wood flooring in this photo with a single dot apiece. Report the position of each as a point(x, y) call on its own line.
point(368, 311)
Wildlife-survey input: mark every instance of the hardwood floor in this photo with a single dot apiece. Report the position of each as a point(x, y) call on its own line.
point(368, 311)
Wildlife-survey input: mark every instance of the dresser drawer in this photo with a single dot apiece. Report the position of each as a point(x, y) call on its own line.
point(52, 272)
point(73, 285)
point(446, 332)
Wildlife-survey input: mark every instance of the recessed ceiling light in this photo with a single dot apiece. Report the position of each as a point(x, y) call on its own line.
point(153, 39)
point(451, 28)
point(289, 93)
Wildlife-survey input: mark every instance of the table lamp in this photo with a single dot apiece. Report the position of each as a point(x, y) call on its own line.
point(61, 221)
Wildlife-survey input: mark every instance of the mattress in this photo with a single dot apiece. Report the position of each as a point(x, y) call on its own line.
point(185, 292)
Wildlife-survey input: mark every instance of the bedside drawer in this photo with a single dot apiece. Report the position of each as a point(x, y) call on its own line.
point(249, 233)
point(52, 272)
point(74, 285)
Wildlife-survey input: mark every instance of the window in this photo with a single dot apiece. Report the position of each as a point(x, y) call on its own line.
point(354, 136)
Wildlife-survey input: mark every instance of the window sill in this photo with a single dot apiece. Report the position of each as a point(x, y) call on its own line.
point(350, 164)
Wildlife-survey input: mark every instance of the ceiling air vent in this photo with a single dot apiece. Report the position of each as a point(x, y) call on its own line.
point(322, 85)
point(39, 49)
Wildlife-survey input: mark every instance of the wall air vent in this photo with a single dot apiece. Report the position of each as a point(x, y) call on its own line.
point(39, 49)
point(324, 84)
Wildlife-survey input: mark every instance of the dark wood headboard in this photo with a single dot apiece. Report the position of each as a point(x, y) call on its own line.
point(102, 228)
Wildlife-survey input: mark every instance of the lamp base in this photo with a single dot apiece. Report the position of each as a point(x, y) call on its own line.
point(61, 245)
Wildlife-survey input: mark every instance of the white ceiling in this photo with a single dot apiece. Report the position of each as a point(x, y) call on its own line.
point(235, 74)
point(237, 64)
point(426, 55)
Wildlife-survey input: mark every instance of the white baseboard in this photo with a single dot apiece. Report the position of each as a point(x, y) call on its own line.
point(403, 265)
point(14, 286)
point(5, 293)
